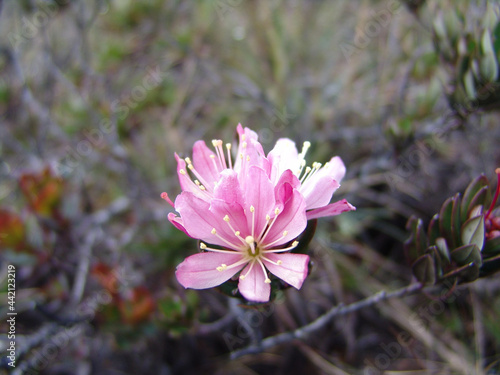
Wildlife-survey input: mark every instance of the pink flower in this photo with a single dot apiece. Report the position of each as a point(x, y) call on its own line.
point(253, 210)
point(254, 222)
point(317, 183)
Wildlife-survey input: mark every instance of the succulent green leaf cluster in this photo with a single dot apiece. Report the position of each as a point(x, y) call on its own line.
point(455, 244)
point(471, 47)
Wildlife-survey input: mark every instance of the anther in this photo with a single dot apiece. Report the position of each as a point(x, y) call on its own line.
point(285, 233)
point(213, 231)
point(267, 281)
point(276, 211)
point(226, 219)
point(252, 209)
point(249, 240)
point(222, 267)
point(237, 233)
point(279, 262)
point(182, 171)
point(203, 246)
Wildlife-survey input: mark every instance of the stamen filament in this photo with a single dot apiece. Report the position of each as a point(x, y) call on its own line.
point(294, 245)
point(195, 172)
point(278, 239)
point(234, 246)
point(278, 263)
point(216, 143)
point(236, 264)
point(267, 280)
point(249, 270)
point(203, 246)
point(268, 219)
point(276, 213)
point(236, 232)
point(228, 147)
point(213, 160)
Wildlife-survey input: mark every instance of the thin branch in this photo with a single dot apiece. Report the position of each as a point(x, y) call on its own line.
point(303, 332)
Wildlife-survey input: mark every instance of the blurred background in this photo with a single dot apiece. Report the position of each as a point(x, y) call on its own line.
point(97, 95)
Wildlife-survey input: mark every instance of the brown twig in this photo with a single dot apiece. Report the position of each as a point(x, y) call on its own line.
point(303, 332)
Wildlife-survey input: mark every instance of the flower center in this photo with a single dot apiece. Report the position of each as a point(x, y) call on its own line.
point(253, 251)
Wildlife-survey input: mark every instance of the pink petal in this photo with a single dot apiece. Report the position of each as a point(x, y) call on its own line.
point(259, 193)
point(284, 188)
point(199, 221)
point(331, 210)
point(237, 219)
point(282, 157)
point(204, 165)
point(199, 271)
point(228, 200)
point(293, 269)
point(228, 188)
point(250, 152)
point(292, 220)
point(318, 193)
point(177, 222)
point(335, 169)
point(185, 181)
point(253, 286)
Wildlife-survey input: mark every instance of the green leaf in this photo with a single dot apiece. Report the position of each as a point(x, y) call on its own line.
point(489, 67)
point(496, 39)
point(455, 220)
point(438, 261)
point(467, 254)
point(449, 220)
point(433, 230)
point(478, 200)
point(445, 219)
point(486, 43)
point(443, 251)
point(471, 190)
point(473, 231)
point(491, 247)
point(424, 269)
point(469, 85)
point(416, 244)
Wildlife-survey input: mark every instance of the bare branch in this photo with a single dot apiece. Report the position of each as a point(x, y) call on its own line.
point(303, 332)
